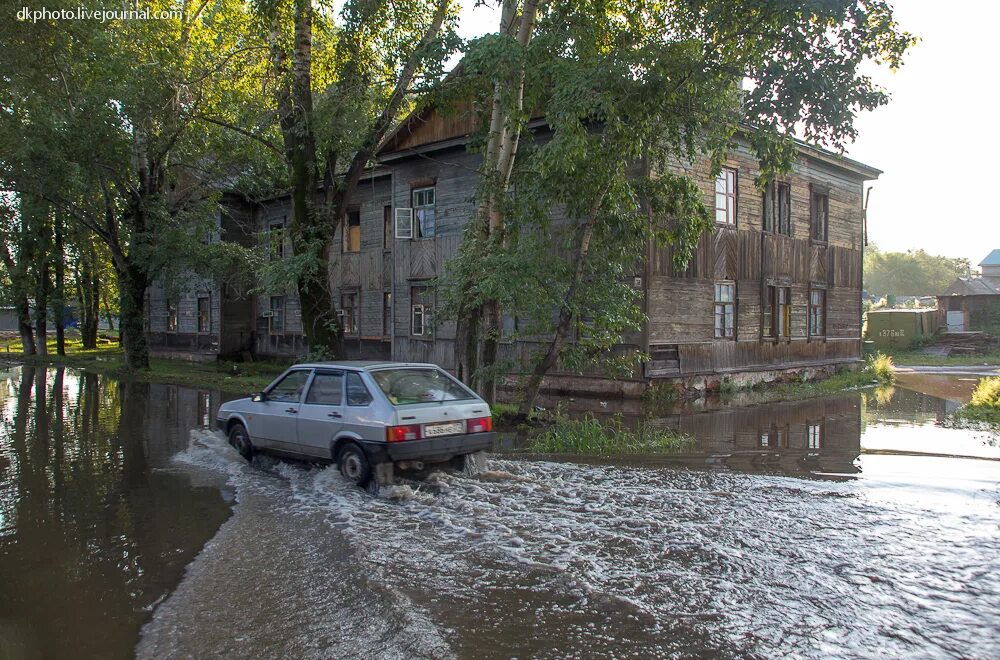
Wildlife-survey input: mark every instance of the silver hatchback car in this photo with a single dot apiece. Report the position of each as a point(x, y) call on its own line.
point(369, 417)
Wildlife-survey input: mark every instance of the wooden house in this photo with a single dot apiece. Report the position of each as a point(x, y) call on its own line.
point(973, 303)
point(201, 318)
point(774, 287)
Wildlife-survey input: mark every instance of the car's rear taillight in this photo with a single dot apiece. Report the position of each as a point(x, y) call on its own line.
point(479, 425)
point(402, 433)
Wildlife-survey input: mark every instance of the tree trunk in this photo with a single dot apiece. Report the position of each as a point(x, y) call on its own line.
point(132, 283)
point(60, 290)
point(24, 327)
point(42, 307)
point(566, 313)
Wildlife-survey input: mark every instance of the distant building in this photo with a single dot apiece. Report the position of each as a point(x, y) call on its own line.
point(968, 302)
point(8, 319)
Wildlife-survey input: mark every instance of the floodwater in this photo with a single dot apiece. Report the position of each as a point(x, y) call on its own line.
point(856, 525)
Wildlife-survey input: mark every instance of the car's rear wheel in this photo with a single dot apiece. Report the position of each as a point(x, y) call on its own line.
point(240, 440)
point(354, 464)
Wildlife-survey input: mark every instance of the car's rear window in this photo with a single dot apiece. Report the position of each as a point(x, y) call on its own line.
point(415, 385)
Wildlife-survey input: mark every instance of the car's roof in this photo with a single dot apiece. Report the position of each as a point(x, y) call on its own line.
point(363, 365)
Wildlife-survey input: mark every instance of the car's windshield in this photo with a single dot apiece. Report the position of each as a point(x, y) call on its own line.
point(416, 385)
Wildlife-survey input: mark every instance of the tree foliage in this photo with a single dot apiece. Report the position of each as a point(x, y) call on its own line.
point(912, 273)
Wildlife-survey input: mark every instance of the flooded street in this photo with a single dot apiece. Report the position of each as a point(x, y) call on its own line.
point(854, 525)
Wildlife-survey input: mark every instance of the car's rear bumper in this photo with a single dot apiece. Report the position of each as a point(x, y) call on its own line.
point(439, 448)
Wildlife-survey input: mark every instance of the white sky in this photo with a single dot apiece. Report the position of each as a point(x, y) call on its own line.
point(935, 141)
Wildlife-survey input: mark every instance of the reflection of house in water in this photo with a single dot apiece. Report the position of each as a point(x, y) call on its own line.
point(901, 406)
point(173, 412)
point(815, 435)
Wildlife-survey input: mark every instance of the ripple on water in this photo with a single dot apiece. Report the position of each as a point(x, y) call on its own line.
point(554, 559)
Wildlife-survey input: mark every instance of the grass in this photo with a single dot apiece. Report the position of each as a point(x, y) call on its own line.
point(911, 357)
point(590, 436)
point(880, 367)
point(109, 359)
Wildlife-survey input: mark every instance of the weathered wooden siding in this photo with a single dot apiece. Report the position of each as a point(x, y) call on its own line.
point(680, 303)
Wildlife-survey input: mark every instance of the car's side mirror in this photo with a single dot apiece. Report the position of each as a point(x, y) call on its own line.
point(257, 397)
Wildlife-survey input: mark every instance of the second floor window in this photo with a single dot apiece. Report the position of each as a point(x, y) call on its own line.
point(817, 313)
point(352, 231)
point(387, 228)
point(778, 208)
point(725, 197)
point(725, 310)
point(276, 240)
point(349, 307)
point(423, 213)
point(820, 216)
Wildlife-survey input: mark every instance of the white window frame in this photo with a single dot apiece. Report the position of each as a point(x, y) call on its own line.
point(404, 223)
point(416, 309)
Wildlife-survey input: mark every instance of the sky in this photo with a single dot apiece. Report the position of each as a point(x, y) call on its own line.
point(935, 141)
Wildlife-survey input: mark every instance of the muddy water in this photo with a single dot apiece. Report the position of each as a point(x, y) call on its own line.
point(784, 534)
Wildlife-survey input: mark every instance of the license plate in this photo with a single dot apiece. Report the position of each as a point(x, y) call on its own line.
point(434, 430)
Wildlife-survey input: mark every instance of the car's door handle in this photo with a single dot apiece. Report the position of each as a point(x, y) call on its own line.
point(291, 410)
point(334, 414)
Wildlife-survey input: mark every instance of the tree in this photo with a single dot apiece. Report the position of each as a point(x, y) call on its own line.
point(630, 90)
point(911, 273)
point(125, 155)
point(334, 88)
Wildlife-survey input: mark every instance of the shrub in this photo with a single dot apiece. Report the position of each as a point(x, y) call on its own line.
point(880, 367)
point(591, 436)
point(987, 394)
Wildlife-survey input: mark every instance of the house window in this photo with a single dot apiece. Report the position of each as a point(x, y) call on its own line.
point(421, 312)
point(349, 311)
point(820, 216)
point(765, 440)
point(778, 208)
point(277, 320)
point(276, 240)
point(171, 317)
point(204, 315)
point(423, 212)
point(387, 228)
point(817, 313)
point(386, 314)
point(814, 436)
point(725, 310)
point(777, 312)
point(352, 232)
point(725, 197)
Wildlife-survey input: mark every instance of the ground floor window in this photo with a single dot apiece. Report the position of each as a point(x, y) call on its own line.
point(277, 320)
point(349, 312)
point(421, 311)
point(725, 310)
point(814, 436)
point(171, 317)
point(204, 315)
point(777, 316)
point(386, 314)
point(817, 313)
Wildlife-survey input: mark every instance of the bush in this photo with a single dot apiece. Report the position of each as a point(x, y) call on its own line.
point(987, 394)
point(591, 436)
point(880, 367)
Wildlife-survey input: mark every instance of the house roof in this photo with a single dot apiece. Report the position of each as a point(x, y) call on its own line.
point(992, 259)
point(974, 286)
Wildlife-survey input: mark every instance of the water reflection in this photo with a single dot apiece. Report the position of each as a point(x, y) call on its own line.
point(91, 535)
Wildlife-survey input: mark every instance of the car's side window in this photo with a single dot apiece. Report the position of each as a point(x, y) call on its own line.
point(357, 393)
point(326, 389)
point(289, 388)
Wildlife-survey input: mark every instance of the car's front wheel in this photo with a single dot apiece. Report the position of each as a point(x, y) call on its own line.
point(240, 440)
point(354, 464)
